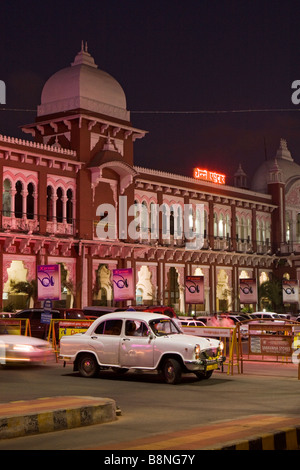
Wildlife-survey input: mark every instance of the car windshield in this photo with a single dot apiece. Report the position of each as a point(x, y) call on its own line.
point(163, 327)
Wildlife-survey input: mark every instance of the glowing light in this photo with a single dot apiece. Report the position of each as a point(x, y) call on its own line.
point(207, 175)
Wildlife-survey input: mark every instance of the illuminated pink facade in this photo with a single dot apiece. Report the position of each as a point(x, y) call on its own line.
point(81, 156)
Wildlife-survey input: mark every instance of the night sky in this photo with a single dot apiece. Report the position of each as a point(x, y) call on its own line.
point(188, 69)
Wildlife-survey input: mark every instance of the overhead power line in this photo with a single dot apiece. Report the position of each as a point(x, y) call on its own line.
point(200, 111)
point(219, 111)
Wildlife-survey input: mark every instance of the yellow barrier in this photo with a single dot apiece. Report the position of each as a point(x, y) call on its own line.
point(65, 328)
point(8, 326)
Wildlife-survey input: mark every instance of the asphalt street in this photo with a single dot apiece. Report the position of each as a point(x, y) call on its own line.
point(149, 407)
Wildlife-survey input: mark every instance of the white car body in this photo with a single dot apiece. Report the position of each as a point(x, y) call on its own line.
point(159, 346)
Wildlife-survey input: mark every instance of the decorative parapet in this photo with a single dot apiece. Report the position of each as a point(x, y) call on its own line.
point(36, 145)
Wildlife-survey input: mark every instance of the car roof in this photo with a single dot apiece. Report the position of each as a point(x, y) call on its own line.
point(130, 315)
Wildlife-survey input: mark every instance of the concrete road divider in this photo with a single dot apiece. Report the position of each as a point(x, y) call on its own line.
point(23, 418)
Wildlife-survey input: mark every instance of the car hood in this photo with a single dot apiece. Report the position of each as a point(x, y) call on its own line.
point(190, 340)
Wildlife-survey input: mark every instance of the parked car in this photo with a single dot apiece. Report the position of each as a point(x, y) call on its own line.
point(97, 311)
point(18, 349)
point(141, 340)
point(38, 328)
point(191, 323)
point(162, 309)
point(190, 327)
point(266, 316)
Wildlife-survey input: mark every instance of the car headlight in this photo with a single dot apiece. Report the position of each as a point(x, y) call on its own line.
point(23, 348)
point(197, 351)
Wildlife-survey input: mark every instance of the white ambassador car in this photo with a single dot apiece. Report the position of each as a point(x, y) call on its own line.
point(141, 340)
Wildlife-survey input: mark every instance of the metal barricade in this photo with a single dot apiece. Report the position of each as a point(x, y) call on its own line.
point(15, 326)
point(270, 342)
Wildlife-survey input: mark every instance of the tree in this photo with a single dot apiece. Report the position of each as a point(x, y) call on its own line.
point(28, 288)
point(270, 295)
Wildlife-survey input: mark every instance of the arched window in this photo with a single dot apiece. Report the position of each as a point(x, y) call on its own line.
point(298, 228)
point(6, 199)
point(49, 203)
point(258, 234)
point(205, 234)
point(215, 225)
point(69, 206)
point(249, 229)
point(165, 220)
point(59, 205)
point(144, 219)
point(243, 235)
point(221, 226)
point(153, 221)
point(19, 200)
point(227, 226)
point(30, 201)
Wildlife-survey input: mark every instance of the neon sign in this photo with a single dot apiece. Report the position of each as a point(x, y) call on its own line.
point(207, 175)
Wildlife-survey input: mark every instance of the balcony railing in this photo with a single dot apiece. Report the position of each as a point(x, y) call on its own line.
point(31, 223)
point(11, 221)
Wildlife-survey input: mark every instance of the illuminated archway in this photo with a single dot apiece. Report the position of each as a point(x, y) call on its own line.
point(224, 292)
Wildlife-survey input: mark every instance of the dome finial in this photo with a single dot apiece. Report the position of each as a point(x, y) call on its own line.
point(83, 57)
point(283, 151)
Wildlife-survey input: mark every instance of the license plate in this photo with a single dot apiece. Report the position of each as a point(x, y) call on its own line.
point(212, 366)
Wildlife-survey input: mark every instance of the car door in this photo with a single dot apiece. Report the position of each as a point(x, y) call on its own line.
point(105, 340)
point(137, 347)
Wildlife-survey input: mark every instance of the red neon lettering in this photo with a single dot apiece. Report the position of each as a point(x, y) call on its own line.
point(207, 175)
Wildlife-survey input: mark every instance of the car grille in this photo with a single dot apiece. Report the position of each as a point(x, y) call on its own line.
point(209, 353)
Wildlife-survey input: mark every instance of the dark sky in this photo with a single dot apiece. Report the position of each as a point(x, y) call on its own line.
point(183, 60)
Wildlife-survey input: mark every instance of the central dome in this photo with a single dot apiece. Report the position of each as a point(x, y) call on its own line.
point(290, 170)
point(84, 86)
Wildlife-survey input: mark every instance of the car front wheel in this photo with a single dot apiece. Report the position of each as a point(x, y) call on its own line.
point(88, 366)
point(171, 371)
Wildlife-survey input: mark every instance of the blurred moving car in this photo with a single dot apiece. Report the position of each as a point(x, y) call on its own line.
point(153, 342)
point(18, 349)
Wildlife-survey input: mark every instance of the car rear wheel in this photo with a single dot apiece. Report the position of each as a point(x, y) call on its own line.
point(171, 371)
point(203, 375)
point(88, 366)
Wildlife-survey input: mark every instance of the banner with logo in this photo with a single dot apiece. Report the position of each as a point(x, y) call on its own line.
point(290, 290)
point(194, 289)
point(123, 285)
point(248, 291)
point(49, 282)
